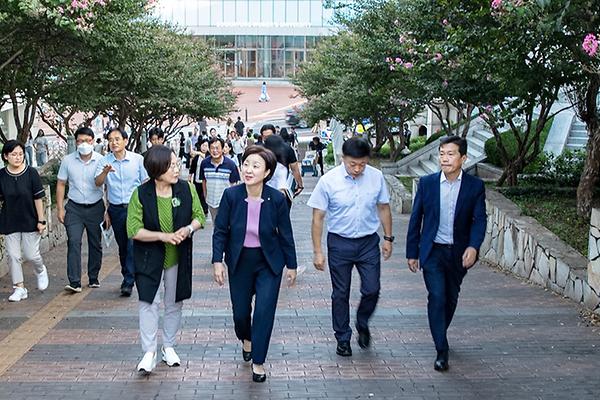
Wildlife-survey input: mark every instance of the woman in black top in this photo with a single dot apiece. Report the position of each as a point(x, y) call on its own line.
point(21, 217)
point(194, 173)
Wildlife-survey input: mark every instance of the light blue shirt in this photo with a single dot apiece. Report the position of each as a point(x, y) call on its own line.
point(129, 173)
point(448, 197)
point(80, 176)
point(350, 204)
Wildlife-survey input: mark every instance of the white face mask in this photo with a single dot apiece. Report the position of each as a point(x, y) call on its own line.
point(85, 148)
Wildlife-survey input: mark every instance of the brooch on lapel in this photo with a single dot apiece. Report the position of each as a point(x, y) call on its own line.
point(175, 202)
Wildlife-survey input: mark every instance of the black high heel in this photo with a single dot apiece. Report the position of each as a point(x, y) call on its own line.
point(246, 355)
point(258, 377)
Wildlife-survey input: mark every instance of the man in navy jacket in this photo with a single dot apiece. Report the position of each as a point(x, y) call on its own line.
point(446, 229)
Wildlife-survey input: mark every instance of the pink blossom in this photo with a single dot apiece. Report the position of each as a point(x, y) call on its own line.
point(445, 22)
point(398, 60)
point(392, 67)
point(445, 83)
point(388, 60)
point(496, 4)
point(438, 57)
point(590, 44)
point(408, 65)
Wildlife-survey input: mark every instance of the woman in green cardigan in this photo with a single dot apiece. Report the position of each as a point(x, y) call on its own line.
point(162, 215)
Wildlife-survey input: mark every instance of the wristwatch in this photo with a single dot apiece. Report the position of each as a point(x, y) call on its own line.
point(191, 228)
point(389, 238)
point(42, 222)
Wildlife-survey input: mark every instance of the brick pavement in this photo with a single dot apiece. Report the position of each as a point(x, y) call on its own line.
point(509, 340)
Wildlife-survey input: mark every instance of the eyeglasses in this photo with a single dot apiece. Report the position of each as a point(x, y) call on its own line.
point(15, 155)
point(175, 166)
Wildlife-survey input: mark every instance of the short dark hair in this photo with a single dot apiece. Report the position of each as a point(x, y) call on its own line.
point(267, 127)
point(265, 154)
point(84, 130)
point(457, 140)
point(216, 139)
point(200, 142)
point(157, 160)
point(356, 147)
point(117, 129)
point(156, 131)
point(10, 146)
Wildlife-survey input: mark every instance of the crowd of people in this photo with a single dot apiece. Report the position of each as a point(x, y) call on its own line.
point(248, 188)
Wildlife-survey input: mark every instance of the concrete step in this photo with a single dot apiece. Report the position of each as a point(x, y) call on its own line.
point(577, 141)
point(414, 170)
point(476, 144)
point(578, 133)
point(429, 166)
point(574, 147)
point(481, 135)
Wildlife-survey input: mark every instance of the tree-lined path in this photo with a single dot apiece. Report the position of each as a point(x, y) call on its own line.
point(509, 339)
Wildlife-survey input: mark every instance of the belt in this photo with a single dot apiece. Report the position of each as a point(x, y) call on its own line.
point(124, 205)
point(443, 245)
point(86, 205)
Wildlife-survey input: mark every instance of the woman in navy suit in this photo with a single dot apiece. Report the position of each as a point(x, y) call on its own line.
point(254, 231)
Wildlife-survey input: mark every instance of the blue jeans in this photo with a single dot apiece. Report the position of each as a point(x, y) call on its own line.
point(342, 255)
point(443, 273)
point(118, 219)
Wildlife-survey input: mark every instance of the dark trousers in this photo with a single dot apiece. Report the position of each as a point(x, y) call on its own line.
point(342, 255)
point(320, 163)
point(198, 186)
point(443, 273)
point(77, 218)
point(253, 276)
point(118, 219)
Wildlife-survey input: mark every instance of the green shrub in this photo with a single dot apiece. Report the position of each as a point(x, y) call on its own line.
point(564, 170)
point(384, 151)
point(417, 143)
point(329, 159)
point(435, 136)
point(510, 144)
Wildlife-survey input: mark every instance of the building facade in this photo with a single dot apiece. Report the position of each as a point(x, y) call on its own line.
point(254, 39)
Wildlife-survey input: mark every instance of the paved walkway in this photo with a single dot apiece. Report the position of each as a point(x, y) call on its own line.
point(509, 340)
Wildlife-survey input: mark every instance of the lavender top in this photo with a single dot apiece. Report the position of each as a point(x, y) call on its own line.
point(252, 240)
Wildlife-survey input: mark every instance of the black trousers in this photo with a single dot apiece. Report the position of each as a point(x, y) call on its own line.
point(342, 255)
point(443, 274)
point(253, 276)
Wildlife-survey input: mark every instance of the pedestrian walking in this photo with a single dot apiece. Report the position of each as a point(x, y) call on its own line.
point(279, 180)
point(41, 148)
point(446, 229)
point(217, 173)
point(122, 171)
point(162, 216)
point(29, 150)
point(254, 231)
point(354, 198)
point(264, 96)
point(194, 175)
point(84, 209)
point(22, 219)
point(239, 126)
point(318, 147)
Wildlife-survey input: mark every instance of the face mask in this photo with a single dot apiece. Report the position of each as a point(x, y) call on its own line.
point(85, 148)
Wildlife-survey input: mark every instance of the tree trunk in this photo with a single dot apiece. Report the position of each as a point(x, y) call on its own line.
point(590, 175)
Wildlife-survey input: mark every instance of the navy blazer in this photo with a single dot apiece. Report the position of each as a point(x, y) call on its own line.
point(274, 229)
point(470, 218)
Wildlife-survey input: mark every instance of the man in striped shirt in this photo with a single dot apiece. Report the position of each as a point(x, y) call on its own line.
point(217, 174)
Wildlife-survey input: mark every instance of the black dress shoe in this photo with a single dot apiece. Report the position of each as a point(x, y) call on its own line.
point(343, 349)
point(364, 338)
point(258, 377)
point(126, 291)
point(246, 355)
point(441, 362)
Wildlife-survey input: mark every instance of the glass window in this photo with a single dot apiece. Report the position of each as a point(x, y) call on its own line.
point(241, 11)
point(279, 11)
point(310, 42)
point(263, 63)
point(304, 12)
point(277, 63)
point(229, 64)
point(266, 15)
point(225, 42)
point(291, 11)
point(277, 42)
point(289, 63)
point(316, 11)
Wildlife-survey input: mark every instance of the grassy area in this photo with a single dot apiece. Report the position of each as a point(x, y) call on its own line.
point(556, 210)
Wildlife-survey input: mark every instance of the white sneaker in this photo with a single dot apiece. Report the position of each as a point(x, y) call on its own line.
point(148, 362)
point(170, 357)
point(19, 294)
point(42, 279)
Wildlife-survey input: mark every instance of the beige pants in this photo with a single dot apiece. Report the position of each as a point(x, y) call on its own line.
point(29, 244)
point(213, 213)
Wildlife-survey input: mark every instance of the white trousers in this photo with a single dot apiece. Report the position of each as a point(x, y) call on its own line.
point(20, 247)
point(149, 314)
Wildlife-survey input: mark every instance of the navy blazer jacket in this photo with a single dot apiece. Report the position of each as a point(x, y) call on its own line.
point(274, 229)
point(470, 218)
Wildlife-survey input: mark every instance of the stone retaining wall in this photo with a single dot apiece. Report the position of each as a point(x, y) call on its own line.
point(521, 245)
point(54, 235)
